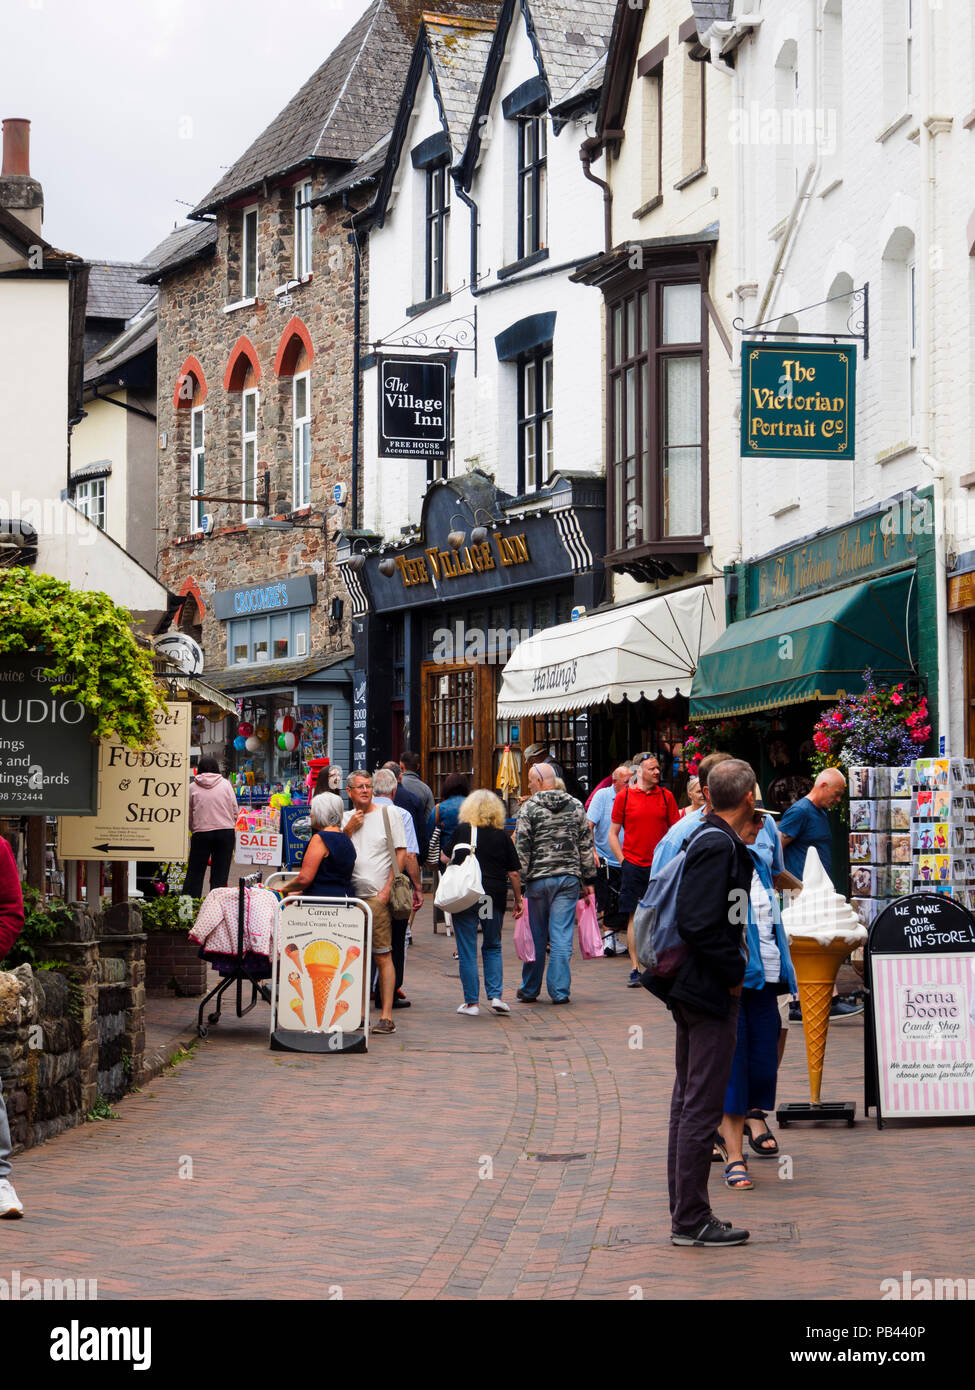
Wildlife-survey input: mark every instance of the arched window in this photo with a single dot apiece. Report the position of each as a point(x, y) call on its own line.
point(295, 341)
point(241, 365)
point(191, 385)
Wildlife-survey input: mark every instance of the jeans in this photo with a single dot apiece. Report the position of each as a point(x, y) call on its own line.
point(466, 924)
point(5, 1144)
point(552, 918)
point(217, 846)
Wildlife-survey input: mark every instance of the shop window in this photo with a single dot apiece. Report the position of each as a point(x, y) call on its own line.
point(274, 637)
point(301, 397)
point(450, 720)
point(657, 413)
point(536, 453)
point(89, 498)
point(532, 180)
point(303, 229)
point(197, 465)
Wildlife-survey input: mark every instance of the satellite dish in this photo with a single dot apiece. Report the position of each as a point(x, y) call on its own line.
point(182, 651)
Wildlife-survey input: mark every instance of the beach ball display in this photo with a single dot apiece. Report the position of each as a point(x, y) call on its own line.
point(240, 743)
point(279, 724)
point(262, 732)
point(245, 729)
point(287, 724)
point(252, 744)
point(287, 742)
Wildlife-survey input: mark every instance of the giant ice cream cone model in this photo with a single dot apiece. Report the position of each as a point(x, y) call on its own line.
point(321, 961)
point(822, 929)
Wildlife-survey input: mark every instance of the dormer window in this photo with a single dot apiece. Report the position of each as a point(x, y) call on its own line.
point(303, 229)
point(532, 177)
point(438, 210)
point(248, 253)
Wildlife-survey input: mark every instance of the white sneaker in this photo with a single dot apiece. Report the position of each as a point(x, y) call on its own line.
point(468, 1009)
point(10, 1204)
point(499, 1006)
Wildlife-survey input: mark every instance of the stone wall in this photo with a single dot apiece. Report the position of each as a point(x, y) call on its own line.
point(81, 1031)
point(193, 321)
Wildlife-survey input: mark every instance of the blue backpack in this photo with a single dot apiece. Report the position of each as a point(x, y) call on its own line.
point(660, 948)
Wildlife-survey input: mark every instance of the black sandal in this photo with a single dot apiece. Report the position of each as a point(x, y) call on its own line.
point(756, 1144)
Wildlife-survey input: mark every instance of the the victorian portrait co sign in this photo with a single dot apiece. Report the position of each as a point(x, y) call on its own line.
point(798, 400)
point(48, 761)
point(414, 402)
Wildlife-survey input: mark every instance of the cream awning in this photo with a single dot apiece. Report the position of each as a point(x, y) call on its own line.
point(636, 650)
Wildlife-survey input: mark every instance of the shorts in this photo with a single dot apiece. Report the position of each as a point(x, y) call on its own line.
point(633, 884)
point(608, 897)
point(382, 927)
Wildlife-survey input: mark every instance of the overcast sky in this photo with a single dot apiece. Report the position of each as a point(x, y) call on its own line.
point(136, 106)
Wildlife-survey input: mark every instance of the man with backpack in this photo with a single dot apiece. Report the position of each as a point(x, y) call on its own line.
point(710, 912)
point(644, 812)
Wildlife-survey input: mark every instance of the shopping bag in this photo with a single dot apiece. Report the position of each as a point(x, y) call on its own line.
point(590, 937)
point(524, 942)
point(460, 885)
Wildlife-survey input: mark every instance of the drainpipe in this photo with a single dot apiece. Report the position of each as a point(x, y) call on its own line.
point(356, 371)
point(470, 203)
point(587, 153)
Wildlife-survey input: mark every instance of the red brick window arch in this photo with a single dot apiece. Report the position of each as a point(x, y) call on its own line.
point(191, 385)
point(243, 368)
point(295, 352)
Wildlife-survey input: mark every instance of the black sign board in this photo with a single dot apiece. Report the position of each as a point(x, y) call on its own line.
point(48, 762)
point(414, 404)
point(919, 1040)
point(360, 711)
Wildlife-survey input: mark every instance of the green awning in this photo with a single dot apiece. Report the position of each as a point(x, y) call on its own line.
point(816, 649)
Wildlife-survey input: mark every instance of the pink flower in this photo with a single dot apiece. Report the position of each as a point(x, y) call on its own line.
point(895, 699)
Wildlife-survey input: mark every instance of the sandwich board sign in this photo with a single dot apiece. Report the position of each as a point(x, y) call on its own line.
point(143, 798)
point(920, 1034)
point(322, 972)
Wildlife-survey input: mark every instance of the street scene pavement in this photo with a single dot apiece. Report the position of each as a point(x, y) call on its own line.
point(519, 1157)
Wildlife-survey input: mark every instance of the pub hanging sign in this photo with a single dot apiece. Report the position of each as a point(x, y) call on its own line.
point(798, 400)
point(414, 405)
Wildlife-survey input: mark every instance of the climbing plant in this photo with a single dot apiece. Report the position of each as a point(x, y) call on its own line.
point(85, 640)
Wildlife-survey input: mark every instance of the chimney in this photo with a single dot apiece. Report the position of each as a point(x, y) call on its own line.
point(19, 193)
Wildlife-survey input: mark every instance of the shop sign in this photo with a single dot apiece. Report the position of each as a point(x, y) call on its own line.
point(321, 966)
point(48, 762)
point(436, 564)
point(258, 847)
point(922, 1017)
point(414, 402)
point(143, 798)
point(297, 591)
point(961, 592)
point(360, 711)
point(798, 400)
point(181, 650)
point(860, 551)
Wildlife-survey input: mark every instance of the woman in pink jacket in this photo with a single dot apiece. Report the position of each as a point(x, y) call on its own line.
point(213, 816)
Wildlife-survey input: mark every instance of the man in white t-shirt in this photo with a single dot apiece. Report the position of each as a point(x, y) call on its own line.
point(372, 879)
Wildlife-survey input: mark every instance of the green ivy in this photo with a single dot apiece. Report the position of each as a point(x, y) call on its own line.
point(86, 636)
point(43, 921)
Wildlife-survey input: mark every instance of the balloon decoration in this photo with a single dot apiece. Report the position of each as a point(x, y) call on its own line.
point(252, 744)
point(240, 743)
point(262, 732)
point(245, 729)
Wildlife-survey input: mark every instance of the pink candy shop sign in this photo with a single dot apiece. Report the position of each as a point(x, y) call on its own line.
point(922, 1008)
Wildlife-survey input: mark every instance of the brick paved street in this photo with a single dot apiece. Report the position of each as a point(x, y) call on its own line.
point(517, 1157)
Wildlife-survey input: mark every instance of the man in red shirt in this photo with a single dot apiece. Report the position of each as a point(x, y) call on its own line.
point(644, 812)
point(11, 923)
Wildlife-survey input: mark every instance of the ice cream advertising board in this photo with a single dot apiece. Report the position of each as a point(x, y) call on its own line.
point(922, 1008)
point(322, 969)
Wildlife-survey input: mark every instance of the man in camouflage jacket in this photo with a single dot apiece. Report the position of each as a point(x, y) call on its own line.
point(554, 845)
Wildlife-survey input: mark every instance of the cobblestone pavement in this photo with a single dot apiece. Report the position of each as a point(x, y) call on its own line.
point(491, 1157)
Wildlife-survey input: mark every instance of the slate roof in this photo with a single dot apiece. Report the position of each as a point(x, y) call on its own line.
point(114, 291)
point(707, 11)
point(368, 168)
point(589, 83)
point(184, 244)
point(136, 339)
point(343, 108)
point(458, 50)
point(571, 36)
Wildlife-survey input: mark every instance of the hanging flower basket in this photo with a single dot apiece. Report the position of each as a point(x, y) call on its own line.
point(885, 726)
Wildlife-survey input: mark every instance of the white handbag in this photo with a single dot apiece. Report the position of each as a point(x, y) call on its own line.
point(460, 885)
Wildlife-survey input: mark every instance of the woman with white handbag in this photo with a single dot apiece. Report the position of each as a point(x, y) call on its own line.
point(474, 890)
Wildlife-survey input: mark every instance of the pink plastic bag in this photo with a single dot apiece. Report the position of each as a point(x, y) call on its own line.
point(524, 942)
point(590, 937)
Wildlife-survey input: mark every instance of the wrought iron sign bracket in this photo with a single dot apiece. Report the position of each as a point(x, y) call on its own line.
point(858, 323)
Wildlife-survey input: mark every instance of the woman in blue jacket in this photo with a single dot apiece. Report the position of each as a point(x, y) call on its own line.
point(768, 974)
